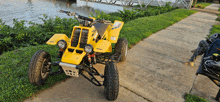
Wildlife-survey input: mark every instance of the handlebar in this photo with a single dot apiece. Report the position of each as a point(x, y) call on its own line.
point(62, 11)
point(76, 15)
point(86, 18)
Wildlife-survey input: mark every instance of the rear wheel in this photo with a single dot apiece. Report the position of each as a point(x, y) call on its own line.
point(39, 68)
point(111, 82)
point(121, 47)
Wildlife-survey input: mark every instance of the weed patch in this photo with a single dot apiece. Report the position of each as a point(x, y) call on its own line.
point(194, 98)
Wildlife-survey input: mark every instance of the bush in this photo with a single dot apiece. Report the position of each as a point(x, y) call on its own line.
point(22, 36)
point(131, 14)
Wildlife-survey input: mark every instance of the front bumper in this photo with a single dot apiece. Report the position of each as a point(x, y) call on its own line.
point(69, 69)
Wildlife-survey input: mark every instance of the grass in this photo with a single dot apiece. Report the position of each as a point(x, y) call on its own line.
point(140, 28)
point(14, 83)
point(202, 4)
point(217, 19)
point(194, 98)
point(215, 28)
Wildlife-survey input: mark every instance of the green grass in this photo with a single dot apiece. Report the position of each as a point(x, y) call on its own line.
point(202, 4)
point(194, 98)
point(140, 28)
point(215, 29)
point(219, 9)
point(217, 19)
point(14, 83)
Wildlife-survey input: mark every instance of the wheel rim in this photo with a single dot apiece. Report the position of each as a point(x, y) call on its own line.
point(44, 67)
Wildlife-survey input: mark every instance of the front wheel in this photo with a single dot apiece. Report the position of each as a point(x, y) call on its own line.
point(39, 67)
point(111, 82)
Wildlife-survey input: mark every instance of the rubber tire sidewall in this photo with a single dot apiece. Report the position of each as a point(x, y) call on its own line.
point(35, 66)
point(111, 82)
point(121, 47)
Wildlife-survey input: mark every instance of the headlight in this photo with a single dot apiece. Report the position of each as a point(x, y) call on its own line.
point(88, 48)
point(62, 44)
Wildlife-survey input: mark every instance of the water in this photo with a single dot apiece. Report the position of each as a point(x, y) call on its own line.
point(30, 10)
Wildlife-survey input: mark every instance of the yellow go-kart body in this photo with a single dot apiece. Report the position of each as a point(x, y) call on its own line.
point(101, 43)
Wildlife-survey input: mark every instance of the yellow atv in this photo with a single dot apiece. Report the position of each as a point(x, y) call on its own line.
point(90, 43)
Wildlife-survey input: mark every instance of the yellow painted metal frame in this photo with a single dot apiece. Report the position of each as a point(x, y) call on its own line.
point(102, 46)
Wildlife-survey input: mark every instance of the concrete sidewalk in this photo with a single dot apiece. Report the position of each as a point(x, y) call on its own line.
point(153, 70)
point(213, 8)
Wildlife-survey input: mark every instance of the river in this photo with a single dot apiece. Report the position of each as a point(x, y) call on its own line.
point(30, 10)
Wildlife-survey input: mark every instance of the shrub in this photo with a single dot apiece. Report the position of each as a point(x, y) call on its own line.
point(21, 36)
point(131, 14)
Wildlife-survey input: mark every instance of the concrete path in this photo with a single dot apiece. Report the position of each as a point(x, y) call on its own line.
point(213, 8)
point(153, 70)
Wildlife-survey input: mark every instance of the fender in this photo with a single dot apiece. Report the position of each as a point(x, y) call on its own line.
point(56, 37)
point(115, 30)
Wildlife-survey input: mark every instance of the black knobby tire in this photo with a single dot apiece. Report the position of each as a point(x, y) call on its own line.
point(37, 73)
point(111, 82)
point(121, 47)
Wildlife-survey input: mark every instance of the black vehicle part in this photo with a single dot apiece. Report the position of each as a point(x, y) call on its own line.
point(111, 81)
point(211, 74)
point(92, 72)
point(85, 18)
point(75, 38)
point(39, 67)
point(214, 48)
point(60, 54)
point(64, 11)
point(121, 47)
point(79, 16)
point(101, 28)
point(85, 23)
point(84, 37)
point(60, 71)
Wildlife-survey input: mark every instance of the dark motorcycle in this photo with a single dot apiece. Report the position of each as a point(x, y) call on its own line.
point(210, 65)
